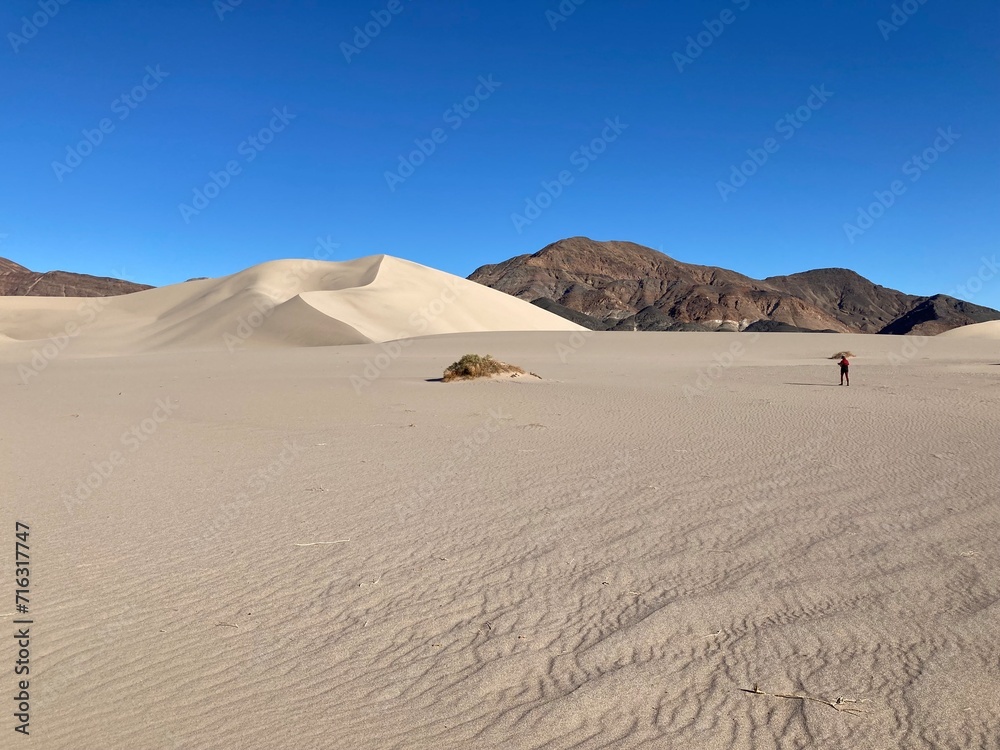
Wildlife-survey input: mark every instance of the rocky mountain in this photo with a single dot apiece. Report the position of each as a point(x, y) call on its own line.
point(16, 280)
point(850, 297)
point(933, 315)
point(625, 286)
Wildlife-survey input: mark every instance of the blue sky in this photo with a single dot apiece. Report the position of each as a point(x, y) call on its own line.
point(748, 134)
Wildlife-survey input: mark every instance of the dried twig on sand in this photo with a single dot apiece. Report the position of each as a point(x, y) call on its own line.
point(313, 544)
point(836, 705)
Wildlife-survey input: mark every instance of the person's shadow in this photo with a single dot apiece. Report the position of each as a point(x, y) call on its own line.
point(833, 384)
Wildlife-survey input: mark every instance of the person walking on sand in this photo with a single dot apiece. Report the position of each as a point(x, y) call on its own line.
point(845, 370)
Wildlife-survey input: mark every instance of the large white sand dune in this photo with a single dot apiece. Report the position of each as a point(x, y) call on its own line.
point(287, 302)
point(988, 330)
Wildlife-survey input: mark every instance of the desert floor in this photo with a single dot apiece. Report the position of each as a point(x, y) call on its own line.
point(309, 548)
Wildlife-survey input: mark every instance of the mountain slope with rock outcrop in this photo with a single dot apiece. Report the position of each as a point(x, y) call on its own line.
point(626, 286)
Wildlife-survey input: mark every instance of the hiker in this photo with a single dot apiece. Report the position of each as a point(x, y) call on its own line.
point(845, 368)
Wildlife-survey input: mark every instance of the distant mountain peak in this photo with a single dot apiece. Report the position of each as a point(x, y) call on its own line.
point(9, 266)
point(16, 280)
point(627, 286)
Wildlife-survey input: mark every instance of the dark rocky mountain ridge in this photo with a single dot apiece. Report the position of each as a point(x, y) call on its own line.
point(625, 286)
point(16, 280)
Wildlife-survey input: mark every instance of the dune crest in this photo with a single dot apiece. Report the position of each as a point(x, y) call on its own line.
point(988, 330)
point(279, 303)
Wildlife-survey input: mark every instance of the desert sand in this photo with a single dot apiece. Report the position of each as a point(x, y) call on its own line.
point(293, 546)
point(283, 302)
point(988, 330)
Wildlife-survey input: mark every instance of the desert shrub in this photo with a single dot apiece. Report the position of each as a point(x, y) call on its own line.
point(474, 366)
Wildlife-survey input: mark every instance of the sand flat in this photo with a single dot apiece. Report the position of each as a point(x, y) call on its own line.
point(602, 558)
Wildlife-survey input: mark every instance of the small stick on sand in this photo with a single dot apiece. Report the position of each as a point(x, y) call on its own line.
point(313, 544)
point(837, 705)
point(226, 625)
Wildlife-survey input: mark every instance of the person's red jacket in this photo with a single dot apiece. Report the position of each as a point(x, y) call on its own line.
point(844, 362)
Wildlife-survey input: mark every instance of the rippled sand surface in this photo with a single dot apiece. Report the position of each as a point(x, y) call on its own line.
point(321, 548)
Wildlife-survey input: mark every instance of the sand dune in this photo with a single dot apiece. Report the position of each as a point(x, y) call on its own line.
point(289, 302)
point(988, 330)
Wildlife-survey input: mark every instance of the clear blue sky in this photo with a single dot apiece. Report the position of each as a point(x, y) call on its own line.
point(324, 174)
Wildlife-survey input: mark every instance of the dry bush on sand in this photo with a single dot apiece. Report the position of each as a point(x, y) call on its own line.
point(473, 366)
